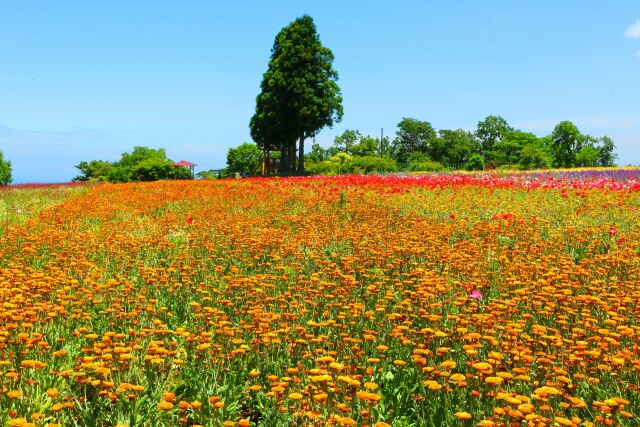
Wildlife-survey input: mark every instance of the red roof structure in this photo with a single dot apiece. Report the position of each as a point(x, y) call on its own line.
point(184, 163)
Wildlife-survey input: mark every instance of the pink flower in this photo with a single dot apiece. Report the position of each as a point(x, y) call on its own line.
point(475, 294)
point(612, 231)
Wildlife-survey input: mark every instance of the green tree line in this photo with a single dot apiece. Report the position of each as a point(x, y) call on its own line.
point(142, 164)
point(418, 146)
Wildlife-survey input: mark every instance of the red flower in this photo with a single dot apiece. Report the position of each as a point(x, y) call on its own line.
point(189, 220)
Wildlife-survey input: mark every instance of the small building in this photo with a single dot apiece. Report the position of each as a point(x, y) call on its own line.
point(270, 163)
point(191, 166)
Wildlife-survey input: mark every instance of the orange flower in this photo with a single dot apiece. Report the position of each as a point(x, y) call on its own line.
point(14, 394)
point(165, 406)
point(493, 380)
point(320, 397)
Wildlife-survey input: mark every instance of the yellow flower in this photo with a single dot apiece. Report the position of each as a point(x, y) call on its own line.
point(493, 380)
point(563, 421)
point(462, 415)
point(433, 385)
point(481, 366)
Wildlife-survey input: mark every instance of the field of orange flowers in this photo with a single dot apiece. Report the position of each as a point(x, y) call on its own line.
point(381, 301)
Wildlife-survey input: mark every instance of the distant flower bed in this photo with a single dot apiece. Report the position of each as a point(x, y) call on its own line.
point(44, 185)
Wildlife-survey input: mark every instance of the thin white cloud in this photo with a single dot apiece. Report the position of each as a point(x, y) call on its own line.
point(27, 139)
point(633, 30)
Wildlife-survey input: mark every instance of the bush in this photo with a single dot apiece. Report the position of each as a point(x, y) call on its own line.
point(324, 167)
point(95, 170)
point(142, 164)
point(212, 174)
point(475, 163)
point(5, 170)
point(369, 164)
point(587, 156)
point(244, 158)
point(341, 163)
point(426, 166)
point(533, 157)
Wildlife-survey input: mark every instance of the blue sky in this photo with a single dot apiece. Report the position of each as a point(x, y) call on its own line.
point(89, 80)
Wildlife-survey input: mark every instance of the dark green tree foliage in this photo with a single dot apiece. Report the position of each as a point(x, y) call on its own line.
point(93, 170)
point(490, 131)
point(353, 143)
point(417, 148)
point(458, 145)
point(244, 158)
point(509, 149)
point(414, 136)
point(343, 143)
point(566, 141)
point(299, 93)
point(534, 156)
point(5, 170)
point(142, 164)
point(475, 163)
point(146, 164)
point(318, 154)
point(606, 156)
point(367, 147)
point(587, 156)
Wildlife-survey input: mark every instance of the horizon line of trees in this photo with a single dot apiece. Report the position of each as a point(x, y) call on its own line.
point(142, 164)
point(418, 146)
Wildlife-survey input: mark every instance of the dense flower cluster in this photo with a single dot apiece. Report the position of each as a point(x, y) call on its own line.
point(432, 300)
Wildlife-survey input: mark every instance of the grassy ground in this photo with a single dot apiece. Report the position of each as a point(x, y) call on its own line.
point(21, 204)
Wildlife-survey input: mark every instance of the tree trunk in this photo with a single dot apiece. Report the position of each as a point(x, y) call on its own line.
point(292, 156)
point(301, 156)
point(284, 160)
